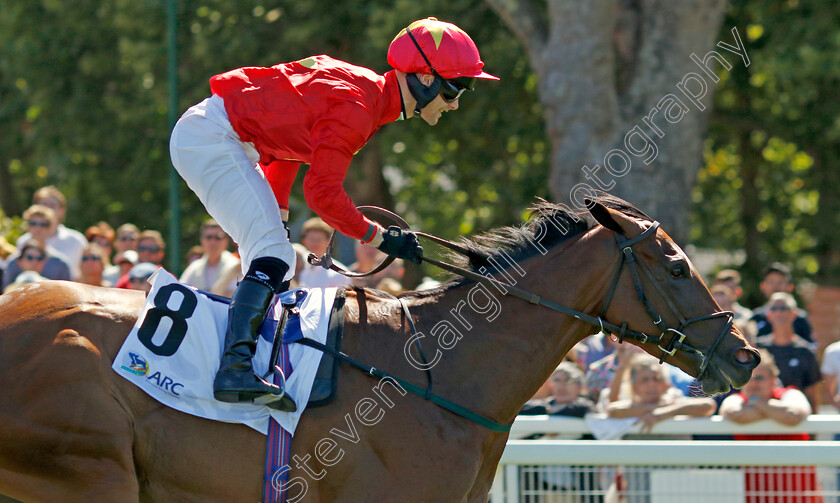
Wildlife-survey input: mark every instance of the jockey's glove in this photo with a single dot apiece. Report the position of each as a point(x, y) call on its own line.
point(401, 244)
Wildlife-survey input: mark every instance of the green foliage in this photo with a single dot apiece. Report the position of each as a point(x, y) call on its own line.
point(770, 183)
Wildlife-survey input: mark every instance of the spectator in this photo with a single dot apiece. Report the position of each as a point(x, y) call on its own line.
point(777, 278)
point(794, 357)
point(830, 371)
point(150, 248)
point(139, 276)
point(103, 235)
point(731, 279)
point(368, 257)
point(125, 261)
point(567, 392)
point(315, 236)
point(604, 377)
point(763, 398)
point(300, 262)
point(30, 266)
point(93, 266)
point(64, 242)
point(654, 399)
point(40, 219)
point(127, 235)
point(206, 272)
point(194, 253)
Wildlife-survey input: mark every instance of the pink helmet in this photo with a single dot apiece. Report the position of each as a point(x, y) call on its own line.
point(451, 52)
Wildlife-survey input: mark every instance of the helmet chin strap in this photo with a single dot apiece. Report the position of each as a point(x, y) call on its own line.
point(422, 95)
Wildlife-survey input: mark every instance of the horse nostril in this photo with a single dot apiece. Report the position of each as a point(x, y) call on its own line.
point(746, 357)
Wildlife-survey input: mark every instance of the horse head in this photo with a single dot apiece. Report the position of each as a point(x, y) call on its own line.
point(663, 306)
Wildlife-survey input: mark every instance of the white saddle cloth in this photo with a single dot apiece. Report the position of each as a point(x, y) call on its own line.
point(174, 349)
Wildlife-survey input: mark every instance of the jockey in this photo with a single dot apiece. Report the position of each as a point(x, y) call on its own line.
point(240, 150)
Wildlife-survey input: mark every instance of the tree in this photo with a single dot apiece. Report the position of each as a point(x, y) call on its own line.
point(773, 141)
point(625, 104)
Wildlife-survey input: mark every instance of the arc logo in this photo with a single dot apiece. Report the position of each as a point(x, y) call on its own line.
point(140, 367)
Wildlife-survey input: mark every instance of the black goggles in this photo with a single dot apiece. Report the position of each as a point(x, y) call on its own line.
point(450, 89)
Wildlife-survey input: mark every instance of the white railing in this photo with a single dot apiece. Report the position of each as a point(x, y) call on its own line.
point(827, 424)
point(692, 460)
point(671, 452)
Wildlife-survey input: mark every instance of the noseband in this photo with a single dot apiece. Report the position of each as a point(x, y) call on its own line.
point(674, 336)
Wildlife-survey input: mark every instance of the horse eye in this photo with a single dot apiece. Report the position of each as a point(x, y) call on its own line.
point(679, 271)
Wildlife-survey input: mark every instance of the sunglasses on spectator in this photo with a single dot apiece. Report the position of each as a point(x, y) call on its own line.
point(37, 223)
point(759, 377)
point(215, 237)
point(151, 249)
point(91, 258)
point(127, 237)
point(34, 258)
point(102, 242)
point(780, 308)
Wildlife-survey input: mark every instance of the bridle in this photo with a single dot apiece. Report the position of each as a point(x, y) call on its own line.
point(676, 341)
point(675, 337)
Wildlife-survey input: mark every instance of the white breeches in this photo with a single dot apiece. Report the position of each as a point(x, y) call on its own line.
point(224, 174)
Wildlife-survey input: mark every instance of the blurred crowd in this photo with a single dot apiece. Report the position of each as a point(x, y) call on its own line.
point(126, 257)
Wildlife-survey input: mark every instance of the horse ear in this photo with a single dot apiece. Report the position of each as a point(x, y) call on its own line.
point(613, 220)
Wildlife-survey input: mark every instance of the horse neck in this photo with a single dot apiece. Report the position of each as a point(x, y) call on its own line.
point(509, 347)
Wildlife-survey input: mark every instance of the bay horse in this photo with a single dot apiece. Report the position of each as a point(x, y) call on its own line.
point(72, 430)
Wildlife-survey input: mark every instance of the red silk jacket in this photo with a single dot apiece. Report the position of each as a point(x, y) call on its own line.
point(319, 111)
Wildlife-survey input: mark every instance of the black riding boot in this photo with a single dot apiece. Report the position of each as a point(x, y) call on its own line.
point(236, 380)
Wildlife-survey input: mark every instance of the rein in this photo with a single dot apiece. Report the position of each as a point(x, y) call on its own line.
point(676, 342)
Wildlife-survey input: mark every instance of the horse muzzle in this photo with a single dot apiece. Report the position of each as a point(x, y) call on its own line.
point(732, 370)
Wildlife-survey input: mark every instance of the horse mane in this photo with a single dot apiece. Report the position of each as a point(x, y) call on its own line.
point(548, 225)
